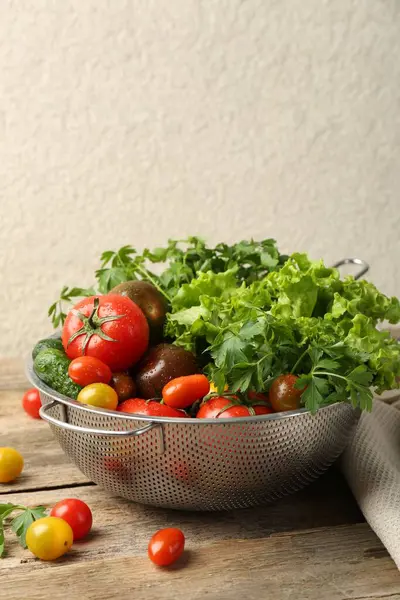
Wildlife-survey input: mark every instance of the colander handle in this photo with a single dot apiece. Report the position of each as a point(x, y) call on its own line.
point(104, 432)
point(364, 266)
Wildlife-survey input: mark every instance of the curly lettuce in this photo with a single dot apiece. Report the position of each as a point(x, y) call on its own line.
point(301, 319)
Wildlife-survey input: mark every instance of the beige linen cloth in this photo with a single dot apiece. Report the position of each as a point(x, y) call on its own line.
point(371, 465)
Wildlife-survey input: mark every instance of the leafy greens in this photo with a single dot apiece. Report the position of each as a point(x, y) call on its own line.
point(251, 314)
point(300, 319)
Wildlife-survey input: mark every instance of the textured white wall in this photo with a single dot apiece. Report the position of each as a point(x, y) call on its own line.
point(130, 122)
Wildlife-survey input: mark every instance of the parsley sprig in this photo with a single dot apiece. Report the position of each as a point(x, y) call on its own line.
point(327, 382)
point(180, 262)
point(20, 523)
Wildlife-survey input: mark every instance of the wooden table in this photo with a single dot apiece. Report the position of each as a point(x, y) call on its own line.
point(312, 545)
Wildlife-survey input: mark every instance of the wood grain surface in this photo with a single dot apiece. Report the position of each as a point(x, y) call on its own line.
point(312, 545)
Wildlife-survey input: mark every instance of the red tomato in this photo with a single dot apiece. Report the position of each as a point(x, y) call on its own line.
point(183, 391)
point(221, 407)
point(261, 409)
point(111, 328)
point(88, 369)
point(259, 403)
point(254, 396)
point(76, 513)
point(283, 395)
point(31, 403)
point(166, 546)
point(138, 406)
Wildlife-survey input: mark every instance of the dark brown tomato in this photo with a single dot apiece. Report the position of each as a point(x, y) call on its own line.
point(150, 300)
point(161, 364)
point(283, 395)
point(124, 385)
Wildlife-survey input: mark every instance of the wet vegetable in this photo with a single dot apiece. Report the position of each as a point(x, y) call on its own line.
point(161, 364)
point(51, 366)
point(150, 300)
point(124, 385)
point(47, 343)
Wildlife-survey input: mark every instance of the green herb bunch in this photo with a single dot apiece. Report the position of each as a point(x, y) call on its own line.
point(181, 260)
point(251, 314)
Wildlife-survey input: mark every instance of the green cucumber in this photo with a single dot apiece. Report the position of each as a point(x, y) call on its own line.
point(52, 342)
point(51, 366)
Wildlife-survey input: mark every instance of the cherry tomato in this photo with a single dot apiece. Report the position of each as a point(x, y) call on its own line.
point(49, 538)
point(221, 407)
point(85, 370)
point(283, 395)
point(77, 514)
point(113, 464)
point(261, 409)
point(183, 391)
point(256, 396)
point(124, 386)
point(100, 395)
point(31, 403)
point(259, 403)
point(138, 406)
point(111, 328)
point(11, 464)
point(166, 546)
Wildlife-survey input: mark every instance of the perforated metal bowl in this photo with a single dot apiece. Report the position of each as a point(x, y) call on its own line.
point(197, 464)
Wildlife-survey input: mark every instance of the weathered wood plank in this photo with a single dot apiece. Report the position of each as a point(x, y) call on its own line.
point(115, 518)
point(12, 375)
point(312, 545)
point(229, 556)
point(45, 463)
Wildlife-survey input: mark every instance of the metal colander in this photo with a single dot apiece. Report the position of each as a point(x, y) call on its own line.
point(197, 464)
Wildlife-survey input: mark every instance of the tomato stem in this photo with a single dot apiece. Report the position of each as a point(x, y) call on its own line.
point(92, 325)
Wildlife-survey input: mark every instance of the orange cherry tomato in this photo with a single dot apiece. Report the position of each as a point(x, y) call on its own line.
point(166, 546)
point(183, 391)
point(85, 370)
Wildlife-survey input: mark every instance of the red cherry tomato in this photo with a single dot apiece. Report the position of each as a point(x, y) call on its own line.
point(283, 395)
point(77, 514)
point(166, 546)
point(183, 391)
point(260, 409)
point(31, 403)
point(111, 328)
point(221, 407)
point(254, 396)
point(138, 406)
point(260, 403)
point(85, 370)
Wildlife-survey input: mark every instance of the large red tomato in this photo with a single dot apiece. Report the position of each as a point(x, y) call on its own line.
point(111, 328)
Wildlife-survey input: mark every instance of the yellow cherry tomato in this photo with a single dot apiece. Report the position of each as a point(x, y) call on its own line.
point(49, 538)
point(11, 464)
point(99, 394)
